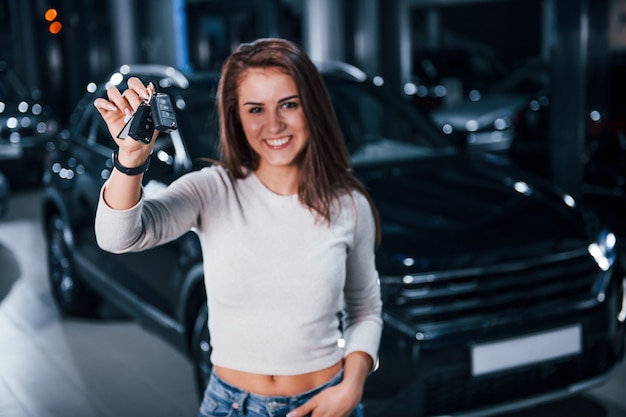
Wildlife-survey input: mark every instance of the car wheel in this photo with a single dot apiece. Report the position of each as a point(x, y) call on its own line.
point(201, 350)
point(71, 295)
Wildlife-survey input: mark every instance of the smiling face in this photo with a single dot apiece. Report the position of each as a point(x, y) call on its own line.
point(272, 118)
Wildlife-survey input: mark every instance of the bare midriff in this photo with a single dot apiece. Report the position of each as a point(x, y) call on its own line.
point(277, 385)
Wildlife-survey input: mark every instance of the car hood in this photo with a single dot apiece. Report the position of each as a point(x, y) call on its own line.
point(461, 212)
point(483, 112)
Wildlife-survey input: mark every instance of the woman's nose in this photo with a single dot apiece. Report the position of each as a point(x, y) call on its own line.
point(275, 122)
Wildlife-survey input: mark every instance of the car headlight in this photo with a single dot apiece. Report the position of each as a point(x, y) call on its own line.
point(604, 253)
point(603, 250)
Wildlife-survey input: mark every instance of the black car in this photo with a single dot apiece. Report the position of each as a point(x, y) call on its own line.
point(443, 77)
point(499, 291)
point(26, 125)
point(508, 116)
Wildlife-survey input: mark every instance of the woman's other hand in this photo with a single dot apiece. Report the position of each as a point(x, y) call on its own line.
point(340, 400)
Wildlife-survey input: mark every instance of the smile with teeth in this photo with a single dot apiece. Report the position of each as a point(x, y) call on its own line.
point(278, 142)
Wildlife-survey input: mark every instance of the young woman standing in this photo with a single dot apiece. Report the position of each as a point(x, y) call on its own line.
point(288, 236)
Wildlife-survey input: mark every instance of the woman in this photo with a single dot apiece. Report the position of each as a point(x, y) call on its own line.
point(288, 238)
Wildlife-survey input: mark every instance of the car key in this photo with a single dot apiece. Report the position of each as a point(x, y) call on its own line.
point(163, 113)
point(140, 126)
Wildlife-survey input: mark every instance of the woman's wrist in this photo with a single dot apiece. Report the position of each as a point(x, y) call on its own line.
point(130, 166)
point(132, 158)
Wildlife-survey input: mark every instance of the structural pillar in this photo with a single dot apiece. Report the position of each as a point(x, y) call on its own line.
point(323, 36)
point(568, 57)
point(396, 42)
point(367, 36)
point(124, 37)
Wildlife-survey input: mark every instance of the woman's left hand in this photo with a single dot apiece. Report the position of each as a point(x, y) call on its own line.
point(336, 401)
point(341, 399)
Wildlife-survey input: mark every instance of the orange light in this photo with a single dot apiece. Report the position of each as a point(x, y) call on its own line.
point(55, 27)
point(51, 14)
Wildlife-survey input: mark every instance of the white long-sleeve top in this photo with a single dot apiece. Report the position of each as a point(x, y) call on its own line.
point(276, 277)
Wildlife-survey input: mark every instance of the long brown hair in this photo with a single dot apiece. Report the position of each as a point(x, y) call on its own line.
point(326, 170)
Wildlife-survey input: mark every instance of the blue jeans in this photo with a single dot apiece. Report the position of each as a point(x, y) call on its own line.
point(224, 400)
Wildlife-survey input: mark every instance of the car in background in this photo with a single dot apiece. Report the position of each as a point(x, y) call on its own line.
point(5, 192)
point(487, 125)
point(511, 119)
point(511, 112)
point(26, 125)
point(447, 76)
point(476, 258)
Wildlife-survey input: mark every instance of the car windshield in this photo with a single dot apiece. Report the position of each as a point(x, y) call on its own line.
point(381, 129)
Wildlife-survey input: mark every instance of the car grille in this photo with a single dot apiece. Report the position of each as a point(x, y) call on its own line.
point(435, 303)
point(473, 299)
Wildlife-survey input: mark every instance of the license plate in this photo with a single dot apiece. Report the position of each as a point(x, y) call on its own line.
point(10, 151)
point(538, 347)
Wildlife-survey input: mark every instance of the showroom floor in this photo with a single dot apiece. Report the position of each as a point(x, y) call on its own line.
point(55, 367)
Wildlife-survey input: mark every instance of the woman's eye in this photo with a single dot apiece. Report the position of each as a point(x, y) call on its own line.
point(254, 110)
point(290, 105)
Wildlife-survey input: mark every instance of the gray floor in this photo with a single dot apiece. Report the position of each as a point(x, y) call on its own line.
point(57, 367)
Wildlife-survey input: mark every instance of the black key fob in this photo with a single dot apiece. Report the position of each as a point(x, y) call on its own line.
point(141, 126)
point(163, 113)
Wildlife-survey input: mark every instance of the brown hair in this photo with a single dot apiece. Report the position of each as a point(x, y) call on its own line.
point(326, 170)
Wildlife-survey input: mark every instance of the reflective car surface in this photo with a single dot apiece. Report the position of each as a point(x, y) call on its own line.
point(499, 291)
point(26, 125)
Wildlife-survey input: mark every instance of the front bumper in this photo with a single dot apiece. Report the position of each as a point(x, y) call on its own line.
point(434, 378)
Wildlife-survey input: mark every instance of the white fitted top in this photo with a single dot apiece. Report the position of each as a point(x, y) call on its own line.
point(276, 276)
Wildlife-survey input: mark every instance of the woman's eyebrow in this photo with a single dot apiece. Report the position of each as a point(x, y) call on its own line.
point(254, 103)
point(288, 98)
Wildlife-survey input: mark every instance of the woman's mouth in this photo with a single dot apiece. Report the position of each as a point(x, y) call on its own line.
point(278, 143)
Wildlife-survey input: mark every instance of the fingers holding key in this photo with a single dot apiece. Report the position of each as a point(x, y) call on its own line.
point(118, 107)
point(135, 94)
point(143, 93)
point(132, 97)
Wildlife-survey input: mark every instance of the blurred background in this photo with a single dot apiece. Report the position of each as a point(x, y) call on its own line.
point(540, 84)
point(559, 62)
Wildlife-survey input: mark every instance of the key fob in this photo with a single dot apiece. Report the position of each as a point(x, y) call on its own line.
point(141, 126)
point(163, 113)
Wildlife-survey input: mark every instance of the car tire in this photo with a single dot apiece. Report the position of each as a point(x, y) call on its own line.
point(201, 350)
point(70, 294)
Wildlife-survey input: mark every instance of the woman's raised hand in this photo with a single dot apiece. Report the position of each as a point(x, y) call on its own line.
point(117, 110)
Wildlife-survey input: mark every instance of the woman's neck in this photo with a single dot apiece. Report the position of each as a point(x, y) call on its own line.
point(280, 180)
